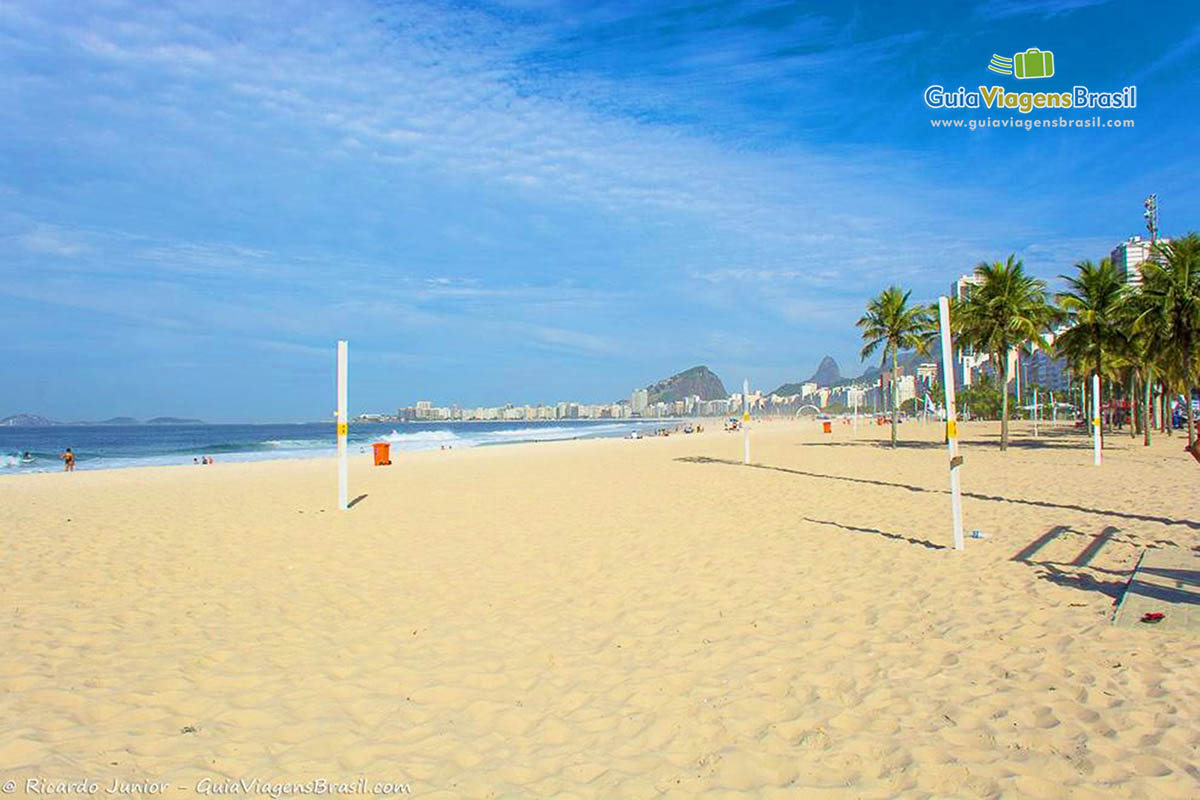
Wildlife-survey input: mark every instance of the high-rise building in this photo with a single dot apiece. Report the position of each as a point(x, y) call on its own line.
point(1130, 254)
point(639, 401)
point(962, 287)
point(1046, 369)
point(966, 360)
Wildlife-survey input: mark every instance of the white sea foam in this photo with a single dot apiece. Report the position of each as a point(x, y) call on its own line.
point(405, 439)
point(292, 444)
point(418, 438)
point(547, 432)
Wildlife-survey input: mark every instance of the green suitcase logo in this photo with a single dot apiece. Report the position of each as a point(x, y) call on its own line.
point(1033, 63)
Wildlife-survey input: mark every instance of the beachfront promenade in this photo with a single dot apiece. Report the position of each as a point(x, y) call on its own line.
point(609, 618)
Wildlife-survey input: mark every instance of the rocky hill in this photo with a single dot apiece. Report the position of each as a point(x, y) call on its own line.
point(695, 381)
point(36, 420)
point(828, 373)
point(25, 420)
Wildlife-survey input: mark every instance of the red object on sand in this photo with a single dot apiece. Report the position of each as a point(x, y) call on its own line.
point(1153, 616)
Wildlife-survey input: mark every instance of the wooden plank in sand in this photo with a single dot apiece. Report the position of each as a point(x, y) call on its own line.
point(1167, 582)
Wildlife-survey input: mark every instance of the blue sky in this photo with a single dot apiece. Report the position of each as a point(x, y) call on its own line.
point(531, 201)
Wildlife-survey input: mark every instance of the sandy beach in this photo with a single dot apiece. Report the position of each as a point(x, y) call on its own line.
point(607, 618)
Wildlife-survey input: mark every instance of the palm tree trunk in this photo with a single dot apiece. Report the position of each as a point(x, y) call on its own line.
point(1133, 403)
point(1191, 418)
point(895, 398)
point(1004, 406)
point(1167, 422)
point(1147, 405)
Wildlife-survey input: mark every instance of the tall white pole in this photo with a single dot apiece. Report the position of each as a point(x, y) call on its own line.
point(1053, 411)
point(1017, 358)
point(342, 423)
point(746, 420)
point(1036, 411)
point(951, 422)
point(1096, 419)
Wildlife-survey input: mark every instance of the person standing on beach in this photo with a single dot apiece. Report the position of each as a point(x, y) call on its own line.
point(68, 460)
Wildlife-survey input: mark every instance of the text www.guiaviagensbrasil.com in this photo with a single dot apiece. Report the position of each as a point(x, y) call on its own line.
point(1030, 124)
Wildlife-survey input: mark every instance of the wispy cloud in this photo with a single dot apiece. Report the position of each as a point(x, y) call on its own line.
point(1001, 9)
point(1171, 58)
point(50, 240)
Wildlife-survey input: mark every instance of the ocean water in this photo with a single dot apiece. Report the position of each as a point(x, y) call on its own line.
point(116, 446)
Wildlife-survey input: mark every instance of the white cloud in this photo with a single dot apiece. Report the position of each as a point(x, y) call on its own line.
point(51, 240)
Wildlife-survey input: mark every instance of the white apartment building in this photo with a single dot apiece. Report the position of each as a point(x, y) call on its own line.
point(1129, 256)
point(966, 360)
point(639, 401)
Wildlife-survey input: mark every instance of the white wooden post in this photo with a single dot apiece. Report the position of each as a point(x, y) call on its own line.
point(951, 422)
point(342, 423)
point(746, 420)
point(1096, 419)
point(1036, 411)
point(1017, 354)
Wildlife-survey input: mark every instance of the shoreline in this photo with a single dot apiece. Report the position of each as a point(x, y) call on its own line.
point(275, 449)
point(362, 455)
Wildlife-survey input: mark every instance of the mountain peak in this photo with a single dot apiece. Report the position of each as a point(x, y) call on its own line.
point(827, 373)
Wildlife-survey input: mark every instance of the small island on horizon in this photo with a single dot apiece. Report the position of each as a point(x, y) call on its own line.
point(39, 421)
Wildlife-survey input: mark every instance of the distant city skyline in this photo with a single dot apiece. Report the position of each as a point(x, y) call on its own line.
point(532, 198)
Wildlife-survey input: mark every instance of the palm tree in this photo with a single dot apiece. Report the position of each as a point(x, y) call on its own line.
point(1146, 341)
point(1171, 292)
point(1093, 305)
point(1007, 310)
point(891, 322)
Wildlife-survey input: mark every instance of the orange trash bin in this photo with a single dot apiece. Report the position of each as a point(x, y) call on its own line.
point(382, 458)
point(827, 427)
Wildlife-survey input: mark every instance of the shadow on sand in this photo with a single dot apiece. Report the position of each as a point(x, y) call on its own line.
point(973, 495)
point(1082, 579)
point(877, 532)
point(1054, 439)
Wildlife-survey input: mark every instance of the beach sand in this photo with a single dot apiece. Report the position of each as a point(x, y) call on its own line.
point(608, 618)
